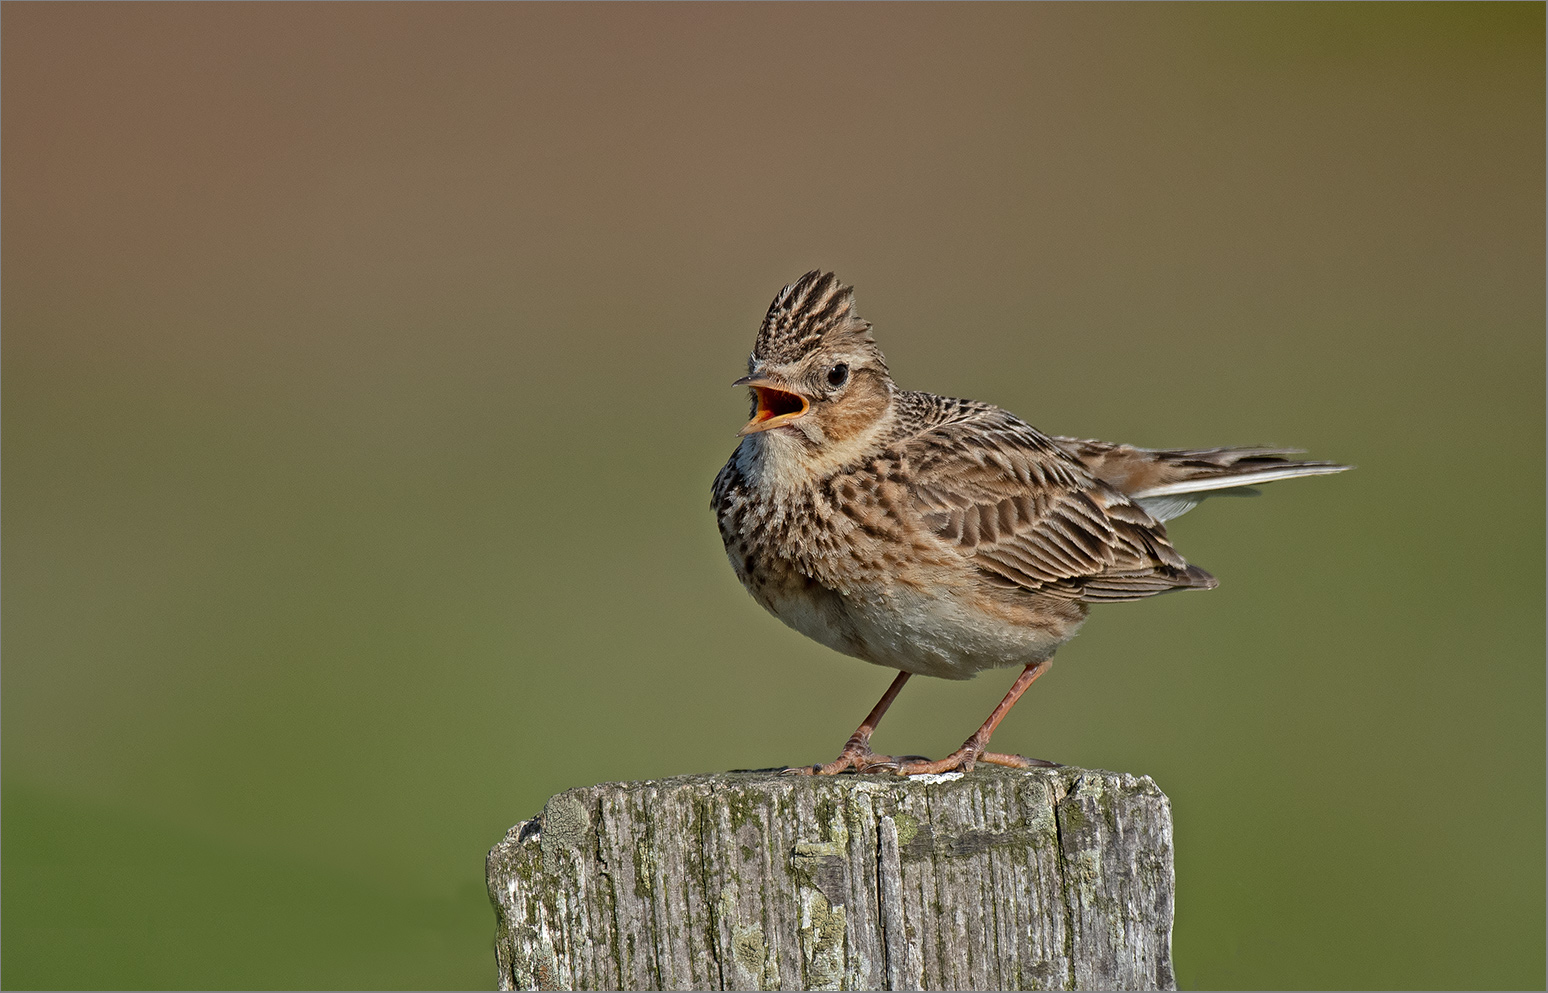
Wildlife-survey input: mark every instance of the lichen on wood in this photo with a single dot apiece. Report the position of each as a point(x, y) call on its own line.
point(1000, 879)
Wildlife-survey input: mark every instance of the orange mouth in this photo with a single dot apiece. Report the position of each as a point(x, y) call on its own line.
point(776, 408)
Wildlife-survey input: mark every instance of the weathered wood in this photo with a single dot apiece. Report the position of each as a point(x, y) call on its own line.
point(1001, 879)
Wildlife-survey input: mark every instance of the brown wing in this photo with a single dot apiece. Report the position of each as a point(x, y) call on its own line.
point(1029, 516)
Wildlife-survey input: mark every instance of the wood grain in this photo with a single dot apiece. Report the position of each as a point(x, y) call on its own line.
point(1000, 879)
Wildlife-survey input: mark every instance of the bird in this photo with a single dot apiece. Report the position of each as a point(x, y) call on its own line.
point(939, 536)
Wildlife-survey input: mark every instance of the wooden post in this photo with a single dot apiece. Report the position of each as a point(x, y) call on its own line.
point(999, 879)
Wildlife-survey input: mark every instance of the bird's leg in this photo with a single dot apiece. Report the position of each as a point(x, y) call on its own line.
point(972, 750)
point(857, 752)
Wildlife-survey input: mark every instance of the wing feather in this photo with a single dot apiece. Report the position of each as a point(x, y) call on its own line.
point(1027, 513)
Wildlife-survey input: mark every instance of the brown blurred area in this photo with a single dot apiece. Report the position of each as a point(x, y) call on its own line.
point(364, 368)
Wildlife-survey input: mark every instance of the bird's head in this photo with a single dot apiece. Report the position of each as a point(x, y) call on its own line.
point(817, 377)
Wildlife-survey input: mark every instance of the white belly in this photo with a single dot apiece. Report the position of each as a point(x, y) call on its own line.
point(926, 634)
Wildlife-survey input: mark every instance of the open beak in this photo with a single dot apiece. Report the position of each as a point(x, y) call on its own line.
point(777, 405)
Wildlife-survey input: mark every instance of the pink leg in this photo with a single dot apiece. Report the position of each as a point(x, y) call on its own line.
point(972, 750)
point(857, 752)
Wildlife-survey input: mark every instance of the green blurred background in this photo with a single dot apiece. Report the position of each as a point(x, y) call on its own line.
point(366, 369)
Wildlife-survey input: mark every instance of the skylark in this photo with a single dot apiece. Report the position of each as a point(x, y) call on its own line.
point(940, 536)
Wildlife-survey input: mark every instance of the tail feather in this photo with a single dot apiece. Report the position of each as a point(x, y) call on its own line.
point(1168, 483)
point(1237, 480)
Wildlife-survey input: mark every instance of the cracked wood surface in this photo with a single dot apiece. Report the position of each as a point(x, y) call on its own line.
point(1000, 879)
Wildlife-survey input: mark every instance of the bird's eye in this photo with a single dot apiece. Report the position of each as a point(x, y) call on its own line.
point(838, 375)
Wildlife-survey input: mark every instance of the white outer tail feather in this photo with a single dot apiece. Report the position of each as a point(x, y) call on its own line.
point(1175, 499)
point(1233, 481)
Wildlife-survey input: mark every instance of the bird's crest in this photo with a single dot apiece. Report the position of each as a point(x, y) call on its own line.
point(814, 310)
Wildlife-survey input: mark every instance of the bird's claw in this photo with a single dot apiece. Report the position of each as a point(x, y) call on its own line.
point(1017, 761)
point(859, 759)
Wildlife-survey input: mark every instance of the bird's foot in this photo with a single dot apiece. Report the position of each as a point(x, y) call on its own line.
point(960, 760)
point(863, 760)
point(858, 757)
point(1017, 761)
point(964, 758)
